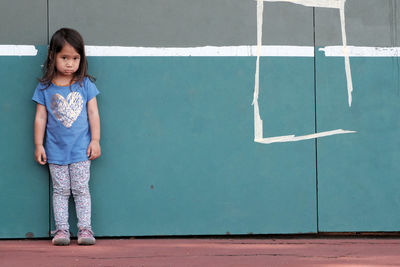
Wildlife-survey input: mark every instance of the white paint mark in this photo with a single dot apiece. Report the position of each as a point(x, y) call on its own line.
point(258, 124)
point(293, 138)
point(361, 51)
point(211, 51)
point(216, 51)
point(240, 51)
point(313, 3)
point(338, 4)
point(18, 50)
point(346, 54)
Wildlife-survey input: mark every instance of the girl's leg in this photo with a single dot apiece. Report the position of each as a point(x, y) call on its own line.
point(61, 193)
point(80, 175)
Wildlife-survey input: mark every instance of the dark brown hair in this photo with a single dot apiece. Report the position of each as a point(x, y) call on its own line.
point(58, 40)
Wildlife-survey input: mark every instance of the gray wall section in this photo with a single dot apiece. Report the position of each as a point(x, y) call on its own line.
point(180, 23)
point(23, 22)
point(158, 23)
point(287, 24)
point(183, 23)
point(225, 22)
point(368, 23)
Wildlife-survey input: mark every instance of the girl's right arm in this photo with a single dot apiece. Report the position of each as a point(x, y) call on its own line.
point(40, 127)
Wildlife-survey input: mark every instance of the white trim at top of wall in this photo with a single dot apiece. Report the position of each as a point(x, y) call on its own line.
point(18, 50)
point(214, 51)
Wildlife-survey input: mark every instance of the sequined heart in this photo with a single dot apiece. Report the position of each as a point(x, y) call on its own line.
point(67, 110)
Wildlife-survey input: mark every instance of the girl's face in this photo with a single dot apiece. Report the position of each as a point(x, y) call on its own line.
point(67, 61)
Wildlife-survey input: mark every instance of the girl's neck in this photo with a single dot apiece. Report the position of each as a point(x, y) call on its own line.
point(63, 80)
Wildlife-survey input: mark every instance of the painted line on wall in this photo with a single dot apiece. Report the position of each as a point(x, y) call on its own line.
point(346, 54)
point(313, 3)
point(293, 138)
point(338, 4)
point(211, 51)
point(205, 51)
point(215, 51)
point(18, 50)
point(361, 51)
point(258, 124)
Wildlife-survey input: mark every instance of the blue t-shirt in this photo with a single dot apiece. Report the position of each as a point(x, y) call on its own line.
point(67, 131)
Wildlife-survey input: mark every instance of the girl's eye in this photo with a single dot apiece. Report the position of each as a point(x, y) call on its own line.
point(64, 58)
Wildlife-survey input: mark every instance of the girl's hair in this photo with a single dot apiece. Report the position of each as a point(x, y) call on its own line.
point(58, 40)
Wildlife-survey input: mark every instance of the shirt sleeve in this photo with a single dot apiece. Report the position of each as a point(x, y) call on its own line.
point(38, 95)
point(92, 90)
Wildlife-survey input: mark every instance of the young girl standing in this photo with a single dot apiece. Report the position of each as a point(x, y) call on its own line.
point(67, 112)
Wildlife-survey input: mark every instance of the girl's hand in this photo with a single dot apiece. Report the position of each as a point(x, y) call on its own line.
point(40, 154)
point(94, 150)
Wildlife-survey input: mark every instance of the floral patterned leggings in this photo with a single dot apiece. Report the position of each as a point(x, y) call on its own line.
point(66, 178)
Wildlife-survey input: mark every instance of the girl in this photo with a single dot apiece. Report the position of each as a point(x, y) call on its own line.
point(67, 111)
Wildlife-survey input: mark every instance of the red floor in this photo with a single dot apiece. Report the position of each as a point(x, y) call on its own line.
point(205, 252)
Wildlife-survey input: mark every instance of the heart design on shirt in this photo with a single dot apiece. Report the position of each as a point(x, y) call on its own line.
point(67, 110)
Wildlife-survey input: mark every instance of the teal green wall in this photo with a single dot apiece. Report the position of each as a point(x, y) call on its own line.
point(24, 185)
point(358, 174)
point(179, 156)
point(184, 126)
point(178, 150)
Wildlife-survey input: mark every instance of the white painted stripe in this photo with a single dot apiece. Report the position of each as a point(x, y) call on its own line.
point(361, 51)
point(293, 138)
point(338, 4)
point(346, 55)
point(18, 50)
point(314, 3)
point(218, 51)
point(258, 124)
point(206, 51)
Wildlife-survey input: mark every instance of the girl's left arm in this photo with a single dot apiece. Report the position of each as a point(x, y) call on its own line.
point(94, 150)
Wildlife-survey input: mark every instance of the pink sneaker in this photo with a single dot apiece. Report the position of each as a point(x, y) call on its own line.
point(85, 237)
point(62, 238)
